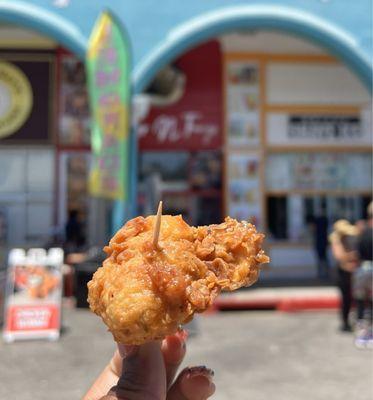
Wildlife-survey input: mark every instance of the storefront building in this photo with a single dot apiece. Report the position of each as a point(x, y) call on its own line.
point(44, 148)
point(288, 132)
point(261, 125)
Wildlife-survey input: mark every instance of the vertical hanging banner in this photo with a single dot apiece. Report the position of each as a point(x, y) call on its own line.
point(108, 77)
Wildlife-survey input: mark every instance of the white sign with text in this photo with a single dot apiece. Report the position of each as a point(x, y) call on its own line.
point(174, 128)
point(316, 130)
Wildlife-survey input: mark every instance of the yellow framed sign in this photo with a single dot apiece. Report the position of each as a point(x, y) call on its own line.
point(16, 99)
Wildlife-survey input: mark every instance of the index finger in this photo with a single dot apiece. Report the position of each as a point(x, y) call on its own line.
point(173, 349)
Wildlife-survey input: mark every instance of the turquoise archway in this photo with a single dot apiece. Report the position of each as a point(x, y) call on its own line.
point(191, 33)
point(212, 24)
point(198, 29)
point(45, 22)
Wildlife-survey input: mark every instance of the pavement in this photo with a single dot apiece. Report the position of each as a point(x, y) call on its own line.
point(255, 354)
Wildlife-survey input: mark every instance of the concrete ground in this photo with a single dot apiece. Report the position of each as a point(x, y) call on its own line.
point(255, 355)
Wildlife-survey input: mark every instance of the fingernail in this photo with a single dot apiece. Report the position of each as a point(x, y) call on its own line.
point(127, 350)
point(201, 370)
point(182, 334)
point(198, 381)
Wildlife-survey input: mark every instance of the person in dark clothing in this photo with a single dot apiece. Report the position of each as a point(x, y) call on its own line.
point(320, 223)
point(343, 245)
point(74, 236)
point(363, 282)
point(365, 247)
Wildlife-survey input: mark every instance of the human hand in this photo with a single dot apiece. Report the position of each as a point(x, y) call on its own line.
point(147, 372)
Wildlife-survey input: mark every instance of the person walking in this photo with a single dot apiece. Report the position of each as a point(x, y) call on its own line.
point(363, 283)
point(343, 241)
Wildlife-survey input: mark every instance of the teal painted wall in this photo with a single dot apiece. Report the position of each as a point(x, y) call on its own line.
point(152, 23)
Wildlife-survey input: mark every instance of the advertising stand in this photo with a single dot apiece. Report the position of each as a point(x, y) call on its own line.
point(33, 294)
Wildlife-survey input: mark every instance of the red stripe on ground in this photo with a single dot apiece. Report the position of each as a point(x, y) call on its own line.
point(308, 304)
point(244, 304)
point(280, 304)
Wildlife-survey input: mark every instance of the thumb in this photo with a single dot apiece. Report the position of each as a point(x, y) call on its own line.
point(143, 375)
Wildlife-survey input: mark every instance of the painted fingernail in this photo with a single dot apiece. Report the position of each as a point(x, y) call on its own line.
point(126, 351)
point(201, 370)
point(198, 382)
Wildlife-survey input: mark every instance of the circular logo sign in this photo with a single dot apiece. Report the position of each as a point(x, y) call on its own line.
point(15, 99)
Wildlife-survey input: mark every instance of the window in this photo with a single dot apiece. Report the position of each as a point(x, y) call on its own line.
point(291, 216)
point(319, 171)
point(26, 195)
point(189, 183)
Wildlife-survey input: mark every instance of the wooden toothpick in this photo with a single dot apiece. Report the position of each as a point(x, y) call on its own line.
point(157, 227)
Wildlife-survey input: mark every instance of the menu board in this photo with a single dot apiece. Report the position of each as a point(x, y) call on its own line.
point(242, 104)
point(33, 294)
point(319, 171)
point(244, 190)
point(74, 121)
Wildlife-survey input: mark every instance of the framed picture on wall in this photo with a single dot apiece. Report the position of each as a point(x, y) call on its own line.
point(242, 73)
point(243, 102)
point(244, 189)
point(74, 121)
point(26, 91)
point(243, 129)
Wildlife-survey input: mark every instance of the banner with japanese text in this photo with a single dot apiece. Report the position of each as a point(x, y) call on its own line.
point(108, 77)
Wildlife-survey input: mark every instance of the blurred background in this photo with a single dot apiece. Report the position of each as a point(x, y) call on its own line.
point(258, 111)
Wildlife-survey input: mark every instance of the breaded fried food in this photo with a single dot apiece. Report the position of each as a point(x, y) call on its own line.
point(143, 292)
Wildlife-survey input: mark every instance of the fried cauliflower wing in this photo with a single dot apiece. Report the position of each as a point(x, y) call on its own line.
point(144, 293)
